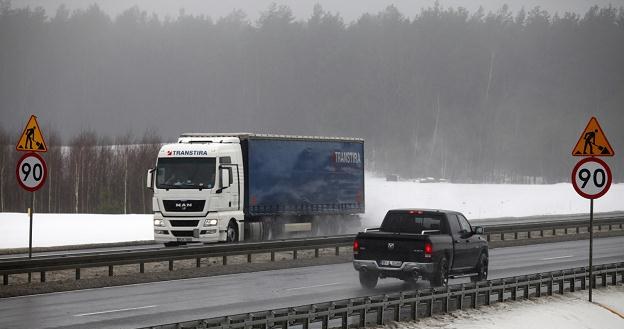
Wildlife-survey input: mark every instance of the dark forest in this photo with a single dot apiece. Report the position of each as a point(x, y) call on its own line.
point(472, 97)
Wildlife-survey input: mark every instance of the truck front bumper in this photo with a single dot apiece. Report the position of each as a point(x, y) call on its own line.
point(424, 269)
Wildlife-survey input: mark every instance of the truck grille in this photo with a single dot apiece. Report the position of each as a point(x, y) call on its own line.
point(184, 223)
point(182, 233)
point(184, 205)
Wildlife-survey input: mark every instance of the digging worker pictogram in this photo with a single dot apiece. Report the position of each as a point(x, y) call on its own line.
point(590, 140)
point(30, 136)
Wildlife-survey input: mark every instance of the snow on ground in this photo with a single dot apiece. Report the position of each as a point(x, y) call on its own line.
point(570, 311)
point(474, 200)
point(483, 200)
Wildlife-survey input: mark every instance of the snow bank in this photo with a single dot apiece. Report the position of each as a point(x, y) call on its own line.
point(483, 200)
point(474, 200)
point(69, 229)
point(571, 311)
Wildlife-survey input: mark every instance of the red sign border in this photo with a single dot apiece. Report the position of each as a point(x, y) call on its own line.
point(45, 171)
point(609, 177)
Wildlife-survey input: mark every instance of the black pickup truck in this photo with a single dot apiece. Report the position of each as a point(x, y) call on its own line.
point(429, 244)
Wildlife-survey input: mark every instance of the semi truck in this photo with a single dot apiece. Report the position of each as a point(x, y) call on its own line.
point(211, 187)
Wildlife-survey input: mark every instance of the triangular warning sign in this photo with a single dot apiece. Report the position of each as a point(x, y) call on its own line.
point(32, 138)
point(593, 141)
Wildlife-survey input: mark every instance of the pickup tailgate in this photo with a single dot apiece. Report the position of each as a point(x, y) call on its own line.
point(388, 247)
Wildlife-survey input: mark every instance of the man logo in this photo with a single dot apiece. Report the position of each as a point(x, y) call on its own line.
point(390, 246)
point(183, 205)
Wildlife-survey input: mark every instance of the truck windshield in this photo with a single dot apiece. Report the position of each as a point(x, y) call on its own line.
point(185, 173)
point(415, 223)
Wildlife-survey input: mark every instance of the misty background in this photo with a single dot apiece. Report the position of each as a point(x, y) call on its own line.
point(476, 96)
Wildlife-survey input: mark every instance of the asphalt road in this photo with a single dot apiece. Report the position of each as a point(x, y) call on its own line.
point(173, 301)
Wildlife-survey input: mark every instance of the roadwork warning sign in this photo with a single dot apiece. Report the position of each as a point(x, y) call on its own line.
point(593, 141)
point(32, 138)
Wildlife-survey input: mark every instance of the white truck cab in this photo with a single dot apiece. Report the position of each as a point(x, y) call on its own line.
point(197, 190)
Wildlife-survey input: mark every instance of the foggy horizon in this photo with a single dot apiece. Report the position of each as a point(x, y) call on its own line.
point(443, 92)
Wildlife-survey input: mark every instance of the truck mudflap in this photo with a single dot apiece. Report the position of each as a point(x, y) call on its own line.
point(424, 269)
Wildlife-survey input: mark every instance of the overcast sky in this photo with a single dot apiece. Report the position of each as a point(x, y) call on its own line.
point(349, 10)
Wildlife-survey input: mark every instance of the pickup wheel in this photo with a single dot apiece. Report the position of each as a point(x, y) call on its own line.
point(368, 280)
point(481, 269)
point(440, 277)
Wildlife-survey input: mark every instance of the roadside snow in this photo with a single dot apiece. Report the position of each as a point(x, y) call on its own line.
point(474, 200)
point(570, 311)
point(483, 200)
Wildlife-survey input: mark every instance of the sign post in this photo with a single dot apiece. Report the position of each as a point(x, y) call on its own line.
point(591, 177)
point(31, 170)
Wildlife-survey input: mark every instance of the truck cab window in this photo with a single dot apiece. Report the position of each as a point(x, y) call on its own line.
point(185, 173)
point(463, 222)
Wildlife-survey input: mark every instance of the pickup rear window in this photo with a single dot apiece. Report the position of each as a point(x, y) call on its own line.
point(415, 223)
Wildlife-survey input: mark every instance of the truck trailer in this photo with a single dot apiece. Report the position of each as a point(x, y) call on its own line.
point(242, 186)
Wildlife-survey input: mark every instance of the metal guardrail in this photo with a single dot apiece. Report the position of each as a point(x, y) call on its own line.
point(497, 234)
point(412, 305)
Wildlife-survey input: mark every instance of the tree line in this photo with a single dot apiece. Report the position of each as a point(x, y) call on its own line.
point(89, 174)
point(468, 96)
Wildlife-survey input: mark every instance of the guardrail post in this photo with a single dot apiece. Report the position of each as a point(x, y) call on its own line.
point(461, 297)
point(414, 311)
point(501, 294)
point(249, 258)
point(489, 293)
point(337, 251)
point(397, 309)
point(110, 270)
point(514, 292)
point(272, 256)
point(171, 265)
point(550, 285)
point(515, 235)
point(316, 252)
point(345, 319)
point(295, 254)
point(78, 273)
point(5, 279)
point(475, 298)
point(225, 259)
point(446, 299)
point(42, 276)
point(538, 286)
point(526, 289)
point(142, 267)
point(541, 233)
point(198, 262)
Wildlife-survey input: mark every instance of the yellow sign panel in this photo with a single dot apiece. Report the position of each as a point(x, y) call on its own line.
point(32, 138)
point(593, 141)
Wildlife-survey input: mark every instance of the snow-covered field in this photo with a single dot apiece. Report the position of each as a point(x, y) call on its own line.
point(474, 200)
point(571, 311)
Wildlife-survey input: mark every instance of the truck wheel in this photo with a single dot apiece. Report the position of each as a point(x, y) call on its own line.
point(481, 269)
point(440, 277)
point(368, 280)
point(232, 232)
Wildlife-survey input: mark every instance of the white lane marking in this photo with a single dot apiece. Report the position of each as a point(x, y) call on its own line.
point(317, 286)
point(119, 310)
point(560, 257)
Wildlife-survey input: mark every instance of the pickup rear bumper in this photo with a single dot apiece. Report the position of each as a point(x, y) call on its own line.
point(424, 269)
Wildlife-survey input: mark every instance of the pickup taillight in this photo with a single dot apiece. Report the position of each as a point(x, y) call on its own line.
point(428, 250)
point(356, 247)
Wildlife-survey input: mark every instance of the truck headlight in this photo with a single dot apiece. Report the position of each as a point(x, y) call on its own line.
point(159, 222)
point(211, 222)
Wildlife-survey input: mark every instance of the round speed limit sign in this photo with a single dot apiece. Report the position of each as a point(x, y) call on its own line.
point(31, 171)
point(591, 178)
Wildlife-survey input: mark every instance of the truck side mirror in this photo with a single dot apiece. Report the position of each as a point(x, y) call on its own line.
point(478, 230)
point(224, 175)
point(150, 179)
